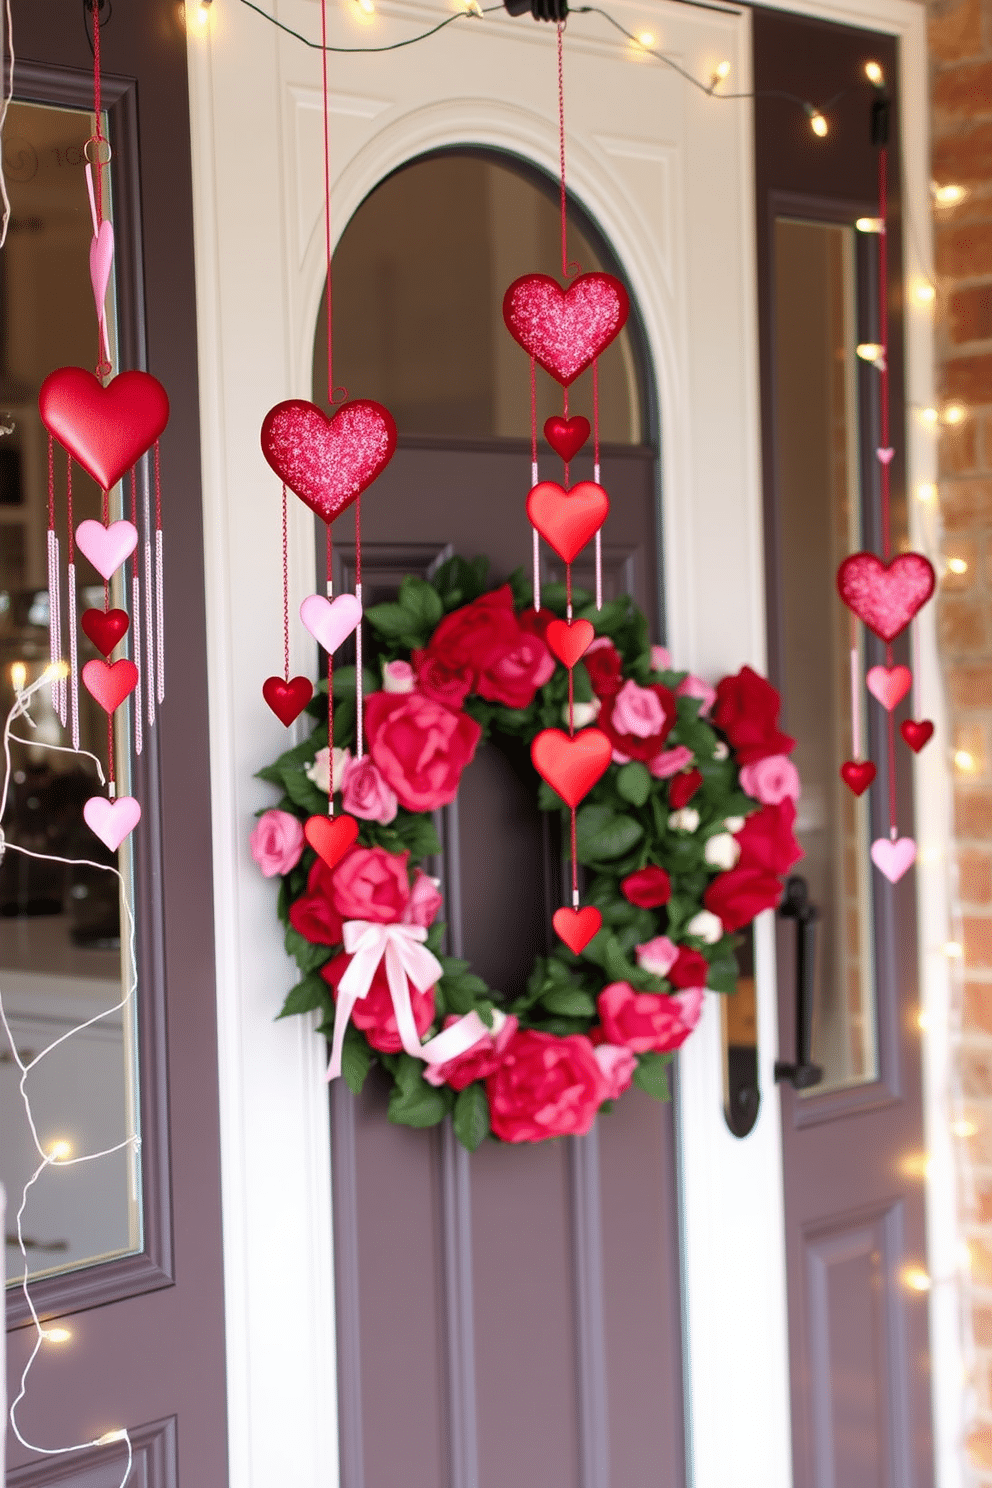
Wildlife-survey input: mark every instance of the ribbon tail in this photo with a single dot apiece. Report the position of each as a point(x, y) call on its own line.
point(399, 991)
point(342, 1017)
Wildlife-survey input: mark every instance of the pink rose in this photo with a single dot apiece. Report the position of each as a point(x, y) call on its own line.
point(695, 687)
point(424, 902)
point(398, 676)
point(545, 1087)
point(638, 711)
point(373, 1014)
point(648, 1021)
point(370, 883)
point(670, 761)
point(276, 842)
point(661, 660)
point(771, 780)
point(364, 793)
point(617, 1066)
point(657, 956)
point(477, 1063)
point(420, 746)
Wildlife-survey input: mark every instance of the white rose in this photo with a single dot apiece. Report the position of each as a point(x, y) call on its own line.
point(722, 851)
point(318, 771)
point(720, 750)
point(686, 820)
point(705, 926)
point(584, 712)
point(499, 1018)
point(733, 824)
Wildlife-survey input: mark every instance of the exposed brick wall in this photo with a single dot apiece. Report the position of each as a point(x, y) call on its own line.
point(960, 34)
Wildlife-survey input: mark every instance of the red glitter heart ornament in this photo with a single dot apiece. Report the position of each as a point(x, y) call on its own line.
point(569, 642)
point(287, 699)
point(110, 682)
point(104, 628)
point(330, 836)
point(567, 519)
point(328, 462)
point(106, 429)
point(571, 766)
point(886, 596)
point(576, 927)
point(917, 735)
point(858, 775)
point(565, 329)
point(566, 436)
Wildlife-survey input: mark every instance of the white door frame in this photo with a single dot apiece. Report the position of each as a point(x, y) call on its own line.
point(258, 218)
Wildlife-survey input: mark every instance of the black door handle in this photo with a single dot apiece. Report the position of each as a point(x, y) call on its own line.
point(796, 906)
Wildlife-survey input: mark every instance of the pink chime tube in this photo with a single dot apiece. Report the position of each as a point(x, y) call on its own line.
point(159, 617)
point(139, 737)
point(149, 638)
point(73, 659)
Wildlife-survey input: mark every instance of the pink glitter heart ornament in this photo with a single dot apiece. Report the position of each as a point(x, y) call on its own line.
point(328, 462)
point(106, 547)
point(885, 454)
point(101, 260)
point(889, 684)
point(112, 820)
point(886, 596)
point(565, 329)
point(330, 621)
point(893, 858)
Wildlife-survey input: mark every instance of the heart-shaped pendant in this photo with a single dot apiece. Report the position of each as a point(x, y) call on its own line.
point(566, 436)
point(576, 927)
point(858, 775)
point(885, 454)
point(330, 836)
point(889, 684)
point(328, 462)
point(917, 735)
point(104, 628)
point(886, 596)
point(105, 428)
point(565, 329)
point(330, 621)
point(101, 260)
point(112, 820)
point(106, 547)
point(893, 858)
point(567, 519)
point(571, 766)
point(110, 682)
point(287, 699)
point(569, 642)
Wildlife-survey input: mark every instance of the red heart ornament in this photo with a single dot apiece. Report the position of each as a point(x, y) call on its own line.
point(105, 428)
point(287, 699)
point(565, 329)
point(858, 775)
point(567, 519)
point(566, 436)
point(330, 836)
point(576, 927)
point(917, 735)
point(104, 628)
point(571, 766)
point(328, 462)
point(110, 682)
point(569, 642)
point(886, 596)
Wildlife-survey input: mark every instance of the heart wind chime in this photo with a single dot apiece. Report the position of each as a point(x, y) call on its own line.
point(107, 424)
point(885, 593)
point(565, 330)
point(327, 462)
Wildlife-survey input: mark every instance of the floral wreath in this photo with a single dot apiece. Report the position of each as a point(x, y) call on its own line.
point(683, 841)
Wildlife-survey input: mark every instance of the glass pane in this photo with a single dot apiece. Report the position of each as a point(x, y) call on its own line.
point(427, 261)
point(60, 937)
point(816, 448)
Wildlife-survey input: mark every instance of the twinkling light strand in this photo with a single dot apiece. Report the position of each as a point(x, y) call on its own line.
point(6, 41)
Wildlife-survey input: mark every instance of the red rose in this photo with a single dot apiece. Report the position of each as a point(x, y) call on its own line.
point(603, 663)
point(766, 839)
point(482, 648)
point(690, 969)
point(741, 894)
point(638, 720)
point(545, 1087)
point(512, 676)
point(746, 709)
point(313, 914)
point(536, 622)
point(442, 684)
point(648, 887)
point(420, 746)
point(648, 1021)
point(373, 1014)
point(479, 1062)
point(370, 883)
point(683, 788)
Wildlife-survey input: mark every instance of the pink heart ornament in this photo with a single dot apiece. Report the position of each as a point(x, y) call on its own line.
point(330, 621)
point(111, 821)
point(101, 261)
point(885, 454)
point(889, 684)
point(893, 858)
point(107, 547)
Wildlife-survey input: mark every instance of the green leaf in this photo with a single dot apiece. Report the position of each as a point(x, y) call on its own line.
point(397, 622)
point(458, 582)
point(413, 1102)
point(569, 1002)
point(602, 834)
point(303, 793)
point(722, 976)
point(356, 1060)
point(307, 957)
point(471, 1116)
point(344, 681)
point(634, 782)
point(651, 1075)
point(313, 992)
point(423, 600)
point(418, 835)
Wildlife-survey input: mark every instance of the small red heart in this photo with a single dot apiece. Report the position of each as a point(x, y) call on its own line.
point(104, 628)
point(576, 927)
point(569, 642)
point(105, 428)
point(110, 682)
point(565, 329)
point(328, 462)
point(567, 519)
point(683, 787)
point(917, 735)
point(571, 766)
point(566, 436)
point(857, 775)
point(886, 596)
point(330, 836)
point(287, 699)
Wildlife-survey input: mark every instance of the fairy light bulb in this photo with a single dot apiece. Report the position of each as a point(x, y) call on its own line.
point(929, 416)
point(949, 196)
point(720, 74)
point(109, 1437)
point(926, 492)
point(870, 224)
point(915, 1279)
point(645, 39)
point(916, 1165)
point(963, 1128)
point(954, 413)
point(964, 761)
point(957, 565)
point(203, 12)
point(870, 351)
point(874, 74)
point(18, 675)
point(924, 292)
point(57, 1335)
point(953, 950)
point(60, 1150)
point(818, 123)
point(367, 7)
